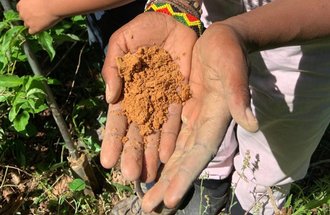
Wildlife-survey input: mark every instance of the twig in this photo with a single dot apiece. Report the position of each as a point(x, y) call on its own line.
point(75, 74)
point(319, 162)
point(272, 200)
point(260, 197)
point(18, 169)
point(4, 177)
point(62, 58)
point(9, 185)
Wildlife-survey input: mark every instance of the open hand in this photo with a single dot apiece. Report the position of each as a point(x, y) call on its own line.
point(219, 85)
point(147, 29)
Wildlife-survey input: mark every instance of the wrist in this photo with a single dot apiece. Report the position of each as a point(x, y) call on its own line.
point(188, 12)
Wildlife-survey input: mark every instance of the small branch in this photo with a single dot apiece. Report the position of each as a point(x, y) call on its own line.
point(62, 58)
point(75, 74)
point(272, 200)
point(52, 103)
point(319, 162)
point(4, 177)
point(260, 197)
point(18, 169)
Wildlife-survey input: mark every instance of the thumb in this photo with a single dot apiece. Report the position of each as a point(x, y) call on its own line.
point(113, 82)
point(238, 100)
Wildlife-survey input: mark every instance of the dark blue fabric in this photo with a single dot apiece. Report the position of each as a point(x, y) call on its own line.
point(102, 24)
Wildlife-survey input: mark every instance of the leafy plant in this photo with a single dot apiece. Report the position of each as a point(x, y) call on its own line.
point(25, 96)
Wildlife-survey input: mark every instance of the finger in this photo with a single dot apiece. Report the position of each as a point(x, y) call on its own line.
point(198, 153)
point(18, 5)
point(155, 195)
point(170, 132)
point(181, 53)
point(189, 169)
point(115, 130)
point(238, 100)
point(31, 30)
point(116, 48)
point(151, 157)
point(201, 146)
point(131, 159)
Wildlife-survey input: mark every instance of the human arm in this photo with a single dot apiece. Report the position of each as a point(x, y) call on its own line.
point(281, 23)
point(40, 14)
point(225, 79)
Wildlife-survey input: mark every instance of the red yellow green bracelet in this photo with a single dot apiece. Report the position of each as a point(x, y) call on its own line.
point(185, 18)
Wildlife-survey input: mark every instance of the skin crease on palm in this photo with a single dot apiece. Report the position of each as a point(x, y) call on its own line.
point(145, 30)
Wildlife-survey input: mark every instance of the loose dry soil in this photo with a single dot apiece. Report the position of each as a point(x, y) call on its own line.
point(152, 81)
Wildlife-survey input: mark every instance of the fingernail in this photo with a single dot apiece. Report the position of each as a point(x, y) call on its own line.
point(184, 119)
point(107, 93)
point(253, 125)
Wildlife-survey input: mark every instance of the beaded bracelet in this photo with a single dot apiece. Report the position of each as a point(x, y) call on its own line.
point(188, 16)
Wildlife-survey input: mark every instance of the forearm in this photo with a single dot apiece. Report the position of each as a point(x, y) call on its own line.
point(64, 8)
point(282, 22)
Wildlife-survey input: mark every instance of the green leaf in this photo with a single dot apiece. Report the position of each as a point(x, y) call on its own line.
point(21, 121)
point(37, 106)
point(11, 15)
point(10, 37)
point(77, 18)
point(3, 98)
point(46, 42)
point(317, 203)
point(121, 188)
point(77, 185)
point(34, 82)
point(51, 81)
point(73, 37)
point(36, 93)
point(10, 81)
point(288, 202)
point(57, 166)
point(3, 26)
point(13, 112)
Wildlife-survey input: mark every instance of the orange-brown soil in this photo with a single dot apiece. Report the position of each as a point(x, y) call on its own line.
point(152, 81)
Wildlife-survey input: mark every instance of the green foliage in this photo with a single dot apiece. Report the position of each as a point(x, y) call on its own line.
point(310, 200)
point(25, 96)
point(79, 116)
point(77, 185)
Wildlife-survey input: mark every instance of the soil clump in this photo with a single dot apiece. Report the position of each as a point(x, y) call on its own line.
point(152, 81)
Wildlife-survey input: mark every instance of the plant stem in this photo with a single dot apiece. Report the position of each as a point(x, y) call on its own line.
point(79, 163)
point(52, 103)
point(50, 97)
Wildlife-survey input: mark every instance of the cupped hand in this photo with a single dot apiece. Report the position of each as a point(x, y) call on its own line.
point(219, 85)
point(37, 15)
point(139, 161)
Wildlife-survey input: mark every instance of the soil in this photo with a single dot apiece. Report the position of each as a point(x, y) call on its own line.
point(152, 81)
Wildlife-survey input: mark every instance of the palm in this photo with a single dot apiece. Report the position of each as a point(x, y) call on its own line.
point(147, 29)
point(205, 118)
point(218, 82)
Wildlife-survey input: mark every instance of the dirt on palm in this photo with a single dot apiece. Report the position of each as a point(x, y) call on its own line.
point(152, 81)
